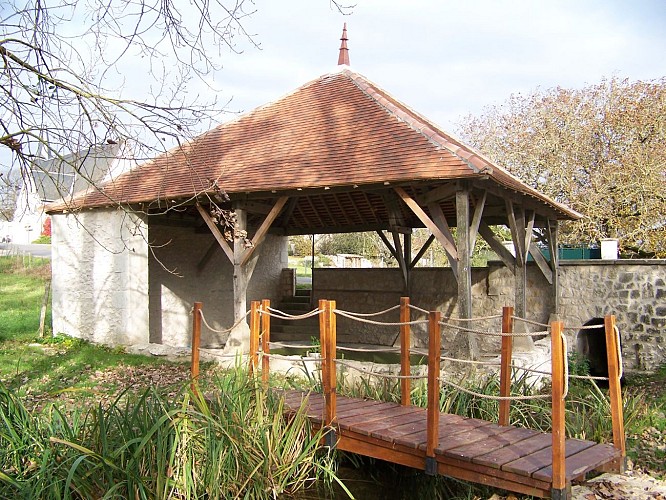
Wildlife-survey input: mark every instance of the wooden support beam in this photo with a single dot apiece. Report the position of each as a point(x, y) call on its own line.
point(476, 220)
point(423, 217)
point(423, 250)
point(529, 234)
point(552, 232)
point(465, 267)
point(405, 346)
point(386, 242)
point(400, 254)
point(439, 219)
point(505, 365)
point(497, 247)
point(216, 233)
point(439, 193)
point(518, 241)
point(614, 388)
point(263, 229)
point(541, 263)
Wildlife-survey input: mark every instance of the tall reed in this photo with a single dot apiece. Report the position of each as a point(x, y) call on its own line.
point(232, 443)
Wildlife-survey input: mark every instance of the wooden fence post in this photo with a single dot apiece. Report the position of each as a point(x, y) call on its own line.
point(265, 340)
point(331, 399)
point(323, 350)
point(255, 326)
point(505, 365)
point(432, 412)
point(614, 389)
point(196, 342)
point(405, 343)
point(559, 487)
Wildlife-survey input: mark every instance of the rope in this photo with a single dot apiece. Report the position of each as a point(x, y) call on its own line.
point(276, 313)
point(380, 375)
point(362, 320)
point(529, 321)
point(419, 309)
point(492, 334)
point(287, 358)
point(375, 313)
point(490, 396)
point(565, 348)
point(469, 361)
point(220, 355)
point(361, 349)
point(480, 318)
point(583, 327)
point(203, 318)
point(291, 346)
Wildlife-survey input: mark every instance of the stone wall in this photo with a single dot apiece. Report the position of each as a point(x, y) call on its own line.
point(100, 276)
point(176, 283)
point(635, 291)
point(110, 286)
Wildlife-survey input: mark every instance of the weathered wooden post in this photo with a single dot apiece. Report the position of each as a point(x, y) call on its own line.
point(432, 412)
point(559, 486)
point(196, 342)
point(614, 389)
point(505, 365)
point(405, 342)
point(265, 340)
point(331, 399)
point(255, 326)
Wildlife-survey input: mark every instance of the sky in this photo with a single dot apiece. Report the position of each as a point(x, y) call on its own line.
point(447, 59)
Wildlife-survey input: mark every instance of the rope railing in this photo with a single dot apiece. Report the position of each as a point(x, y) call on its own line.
point(261, 312)
point(354, 317)
point(276, 313)
point(226, 330)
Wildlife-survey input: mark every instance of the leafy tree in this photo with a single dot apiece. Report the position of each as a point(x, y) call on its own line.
point(599, 149)
point(301, 244)
point(65, 65)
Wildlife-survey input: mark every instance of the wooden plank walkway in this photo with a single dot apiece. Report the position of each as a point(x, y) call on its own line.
point(506, 457)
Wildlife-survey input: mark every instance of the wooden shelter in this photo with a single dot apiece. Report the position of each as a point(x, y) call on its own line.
point(340, 154)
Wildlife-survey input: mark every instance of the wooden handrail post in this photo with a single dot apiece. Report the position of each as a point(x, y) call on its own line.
point(255, 326)
point(614, 389)
point(505, 365)
point(432, 415)
point(331, 399)
point(405, 343)
point(265, 340)
point(323, 344)
point(557, 355)
point(196, 343)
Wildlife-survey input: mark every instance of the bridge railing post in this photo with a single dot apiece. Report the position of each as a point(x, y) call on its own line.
point(505, 365)
point(405, 342)
point(255, 326)
point(614, 387)
point(265, 341)
point(331, 392)
point(432, 412)
point(196, 343)
point(558, 432)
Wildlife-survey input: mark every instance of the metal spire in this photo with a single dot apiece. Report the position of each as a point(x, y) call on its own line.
point(343, 58)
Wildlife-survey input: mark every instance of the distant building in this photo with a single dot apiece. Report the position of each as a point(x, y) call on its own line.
point(61, 178)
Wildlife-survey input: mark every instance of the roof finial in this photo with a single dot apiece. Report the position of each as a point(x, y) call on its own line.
point(343, 58)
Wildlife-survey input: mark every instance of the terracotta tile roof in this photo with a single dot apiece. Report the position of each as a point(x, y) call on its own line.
point(338, 130)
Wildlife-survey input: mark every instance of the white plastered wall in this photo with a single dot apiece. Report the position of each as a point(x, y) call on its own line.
point(100, 276)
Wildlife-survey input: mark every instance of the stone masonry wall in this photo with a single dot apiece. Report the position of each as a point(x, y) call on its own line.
point(175, 284)
point(635, 291)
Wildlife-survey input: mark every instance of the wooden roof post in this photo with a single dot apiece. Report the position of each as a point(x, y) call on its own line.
point(552, 234)
point(464, 265)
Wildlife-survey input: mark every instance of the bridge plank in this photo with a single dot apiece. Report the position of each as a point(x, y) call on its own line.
point(515, 451)
point(543, 458)
point(468, 451)
point(579, 464)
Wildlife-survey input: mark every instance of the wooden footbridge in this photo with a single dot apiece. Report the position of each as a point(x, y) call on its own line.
point(494, 454)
